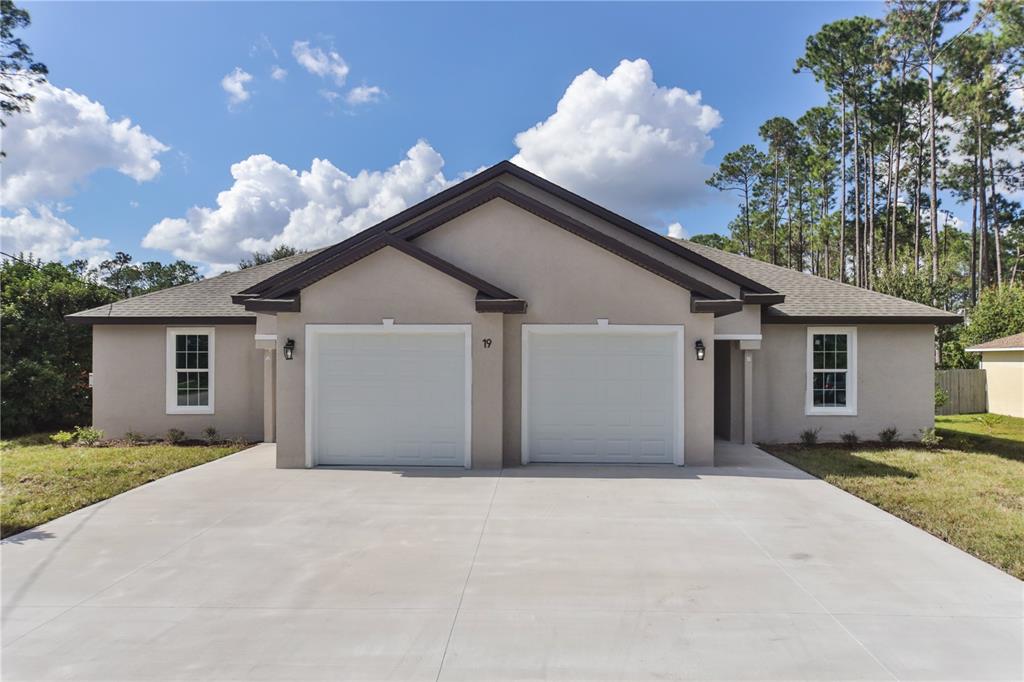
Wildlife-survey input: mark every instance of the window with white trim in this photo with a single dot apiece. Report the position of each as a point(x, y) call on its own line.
point(190, 374)
point(831, 370)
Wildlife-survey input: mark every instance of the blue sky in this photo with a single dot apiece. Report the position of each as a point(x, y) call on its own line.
point(466, 78)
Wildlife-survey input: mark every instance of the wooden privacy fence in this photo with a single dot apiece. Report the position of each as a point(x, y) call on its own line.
point(965, 388)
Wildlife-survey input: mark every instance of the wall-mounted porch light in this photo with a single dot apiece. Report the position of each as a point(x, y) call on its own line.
point(700, 349)
point(289, 349)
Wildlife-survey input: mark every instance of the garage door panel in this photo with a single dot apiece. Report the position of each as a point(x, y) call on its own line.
point(601, 397)
point(390, 398)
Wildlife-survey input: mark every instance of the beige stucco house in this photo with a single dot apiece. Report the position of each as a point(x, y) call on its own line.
point(507, 320)
point(1003, 362)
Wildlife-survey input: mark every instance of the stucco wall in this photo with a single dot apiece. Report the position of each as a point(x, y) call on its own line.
point(129, 365)
point(1004, 373)
point(390, 284)
point(567, 280)
point(895, 383)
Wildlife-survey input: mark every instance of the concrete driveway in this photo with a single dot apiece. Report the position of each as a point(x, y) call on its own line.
point(235, 570)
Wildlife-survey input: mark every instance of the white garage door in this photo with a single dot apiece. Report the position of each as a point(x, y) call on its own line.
point(395, 397)
point(605, 394)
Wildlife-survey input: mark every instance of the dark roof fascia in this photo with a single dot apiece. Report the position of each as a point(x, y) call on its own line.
point(762, 299)
point(485, 304)
point(481, 178)
point(635, 228)
point(374, 244)
point(238, 319)
point(570, 224)
point(399, 218)
point(289, 304)
point(719, 307)
point(775, 317)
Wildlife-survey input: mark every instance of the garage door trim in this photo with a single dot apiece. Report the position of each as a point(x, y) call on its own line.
point(602, 327)
point(314, 331)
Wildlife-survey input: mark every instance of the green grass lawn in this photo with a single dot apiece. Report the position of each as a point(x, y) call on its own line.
point(969, 492)
point(40, 481)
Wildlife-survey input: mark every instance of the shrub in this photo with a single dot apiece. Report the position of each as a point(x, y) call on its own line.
point(930, 439)
point(988, 420)
point(63, 438)
point(133, 437)
point(87, 435)
point(850, 439)
point(809, 436)
point(941, 397)
point(174, 436)
point(888, 435)
point(210, 434)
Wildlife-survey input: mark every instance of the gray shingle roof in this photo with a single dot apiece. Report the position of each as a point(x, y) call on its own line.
point(207, 298)
point(807, 296)
point(812, 296)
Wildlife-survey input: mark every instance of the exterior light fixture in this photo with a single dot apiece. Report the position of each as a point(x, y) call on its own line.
point(289, 349)
point(699, 346)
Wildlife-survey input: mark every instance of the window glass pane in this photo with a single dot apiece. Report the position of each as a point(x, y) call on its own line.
point(830, 342)
point(179, 343)
point(817, 381)
point(819, 396)
point(840, 360)
point(203, 361)
point(841, 342)
point(841, 380)
point(179, 360)
point(830, 398)
point(840, 398)
point(830, 360)
point(819, 342)
point(819, 360)
point(204, 343)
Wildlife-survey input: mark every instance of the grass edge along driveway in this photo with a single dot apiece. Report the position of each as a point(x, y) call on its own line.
point(968, 492)
point(41, 481)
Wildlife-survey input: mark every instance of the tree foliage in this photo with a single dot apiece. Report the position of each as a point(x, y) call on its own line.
point(261, 257)
point(18, 68)
point(44, 362)
point(133, 279)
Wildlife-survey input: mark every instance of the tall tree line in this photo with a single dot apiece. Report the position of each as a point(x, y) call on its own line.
point(925, 103)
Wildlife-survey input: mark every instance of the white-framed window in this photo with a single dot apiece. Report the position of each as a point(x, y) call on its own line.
point(831, 371)
point(190, 372)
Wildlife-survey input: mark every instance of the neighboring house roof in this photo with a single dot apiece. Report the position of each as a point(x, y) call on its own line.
point(1012, 342)
point(811, 299)
point(207, 301)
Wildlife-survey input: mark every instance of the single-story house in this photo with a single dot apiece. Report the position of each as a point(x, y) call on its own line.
point(506, 320)
point(1003, 362)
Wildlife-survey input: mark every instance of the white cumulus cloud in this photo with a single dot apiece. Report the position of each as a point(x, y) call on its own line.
point(269, 204)
point(234, 85)
point(278, 73)
point(326, 64)
point(62, 139)
point(364, 94)
point(624, 141)
point(677, 231)
point(49, 237)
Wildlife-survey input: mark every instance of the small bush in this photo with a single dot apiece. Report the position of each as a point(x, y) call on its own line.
point(888, 435)
point(850, 439)
point(87, 435)
point(809, 436)
point(210, 434)
point(930, 439)
point(63, 438)
point(133, 438)
point(987, 420)
point(174, 436)
point(941, 397)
